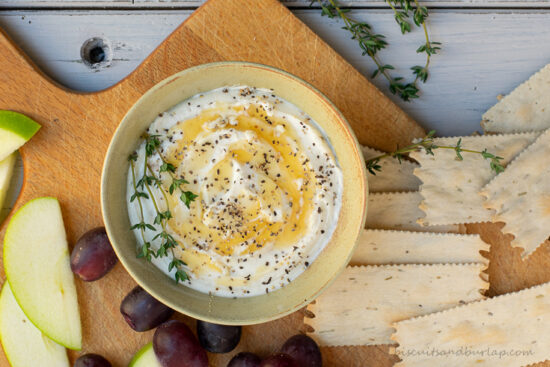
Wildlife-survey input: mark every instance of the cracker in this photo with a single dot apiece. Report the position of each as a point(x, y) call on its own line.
point(508, 330)
point(399, 210)
point(521, 196)
point(527, 108)
point(377, 247)
point(450, 187)
point(394, 176)
point(360, 307)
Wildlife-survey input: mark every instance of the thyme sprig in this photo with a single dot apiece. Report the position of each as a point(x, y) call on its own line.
point(146, 251)
point(152, 145)
point(427, 145)
point(142, 190)
point(371, 42)
point(402, 9)
point(168, 243)
point(186, 196)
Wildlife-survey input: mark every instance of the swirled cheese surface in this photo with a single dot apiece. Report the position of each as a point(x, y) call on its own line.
point(268, 186)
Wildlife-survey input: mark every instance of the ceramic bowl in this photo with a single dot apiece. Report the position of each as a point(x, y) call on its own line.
point(249, 310)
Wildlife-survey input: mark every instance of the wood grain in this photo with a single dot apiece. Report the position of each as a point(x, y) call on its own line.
point(65, 158)
point(185, 4)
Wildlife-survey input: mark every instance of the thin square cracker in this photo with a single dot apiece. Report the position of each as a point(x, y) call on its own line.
point(505, 331)
point(394, 176)
point(450, 187)
point(379, 247)
point(526, 108)
point(360, 307)
point(399, 211)
point(521, 196)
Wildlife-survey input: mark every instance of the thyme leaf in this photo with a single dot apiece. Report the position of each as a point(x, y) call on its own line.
point(187, 197)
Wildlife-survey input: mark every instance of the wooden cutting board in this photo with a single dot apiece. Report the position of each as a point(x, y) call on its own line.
point(65, 158)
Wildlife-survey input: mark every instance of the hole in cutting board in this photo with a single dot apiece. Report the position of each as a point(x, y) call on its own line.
point(96, 53)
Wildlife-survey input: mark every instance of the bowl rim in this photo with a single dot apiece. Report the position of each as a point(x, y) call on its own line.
point(212, 318)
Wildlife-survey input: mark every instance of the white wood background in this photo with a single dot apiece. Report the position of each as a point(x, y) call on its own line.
point(489, 46)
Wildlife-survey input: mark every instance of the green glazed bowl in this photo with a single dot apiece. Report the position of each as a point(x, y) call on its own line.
point(249, 310)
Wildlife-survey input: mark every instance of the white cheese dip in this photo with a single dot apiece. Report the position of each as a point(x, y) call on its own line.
point(269, 190)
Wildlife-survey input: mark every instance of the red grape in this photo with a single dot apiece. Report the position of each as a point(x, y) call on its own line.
point(93, 255)
point(279, 360)
point(304, 350)
point(245, 359)
point(143, 312)
point(91, 360)
point(176, 346)
point(218, 338)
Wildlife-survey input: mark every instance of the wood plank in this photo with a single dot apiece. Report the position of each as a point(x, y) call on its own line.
point(475, 65)
point(53, 41)
point(187, 4)
point(76, 129)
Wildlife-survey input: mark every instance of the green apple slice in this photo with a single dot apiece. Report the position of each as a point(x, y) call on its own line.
point(15, 130)
point(6, 170)
point(145, 357)
point(36, 260)
point(24, 344)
